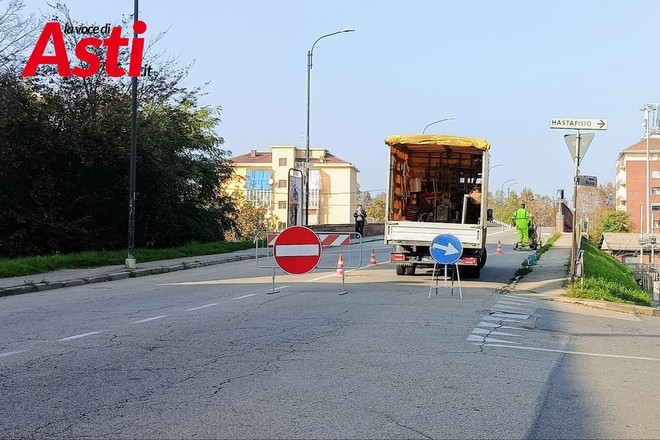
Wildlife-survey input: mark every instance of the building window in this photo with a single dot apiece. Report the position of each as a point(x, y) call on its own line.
point(656, 224)
point(258, 191)
point(655, 190)
point(282, 161)
point(281, 204)
point(281, 183)
point(655, 207)
point(655, 174)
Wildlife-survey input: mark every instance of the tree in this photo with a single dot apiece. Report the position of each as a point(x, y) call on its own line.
point(612, 221)
point(17, 34)
point(249, 220)
point(64, 158)
point(376, 210)
point(593, 203)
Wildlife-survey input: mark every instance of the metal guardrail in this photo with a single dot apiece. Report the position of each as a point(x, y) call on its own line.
point(648, 278)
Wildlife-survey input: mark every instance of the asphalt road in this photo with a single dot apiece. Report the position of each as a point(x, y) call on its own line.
point(207, 353)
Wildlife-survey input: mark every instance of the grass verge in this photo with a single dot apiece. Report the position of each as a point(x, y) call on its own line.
point(13, 267)
point(606, 279)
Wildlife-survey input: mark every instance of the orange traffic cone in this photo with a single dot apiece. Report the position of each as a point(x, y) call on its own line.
point(372, 258)
point(499, 248)
point(340, 265)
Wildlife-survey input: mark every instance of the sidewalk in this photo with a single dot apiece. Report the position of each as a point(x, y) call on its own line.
point(78, 277)
point(550, 274)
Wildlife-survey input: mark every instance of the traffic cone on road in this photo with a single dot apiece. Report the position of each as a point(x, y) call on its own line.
point(340, 265)
point(372, 258)
point(499, 248)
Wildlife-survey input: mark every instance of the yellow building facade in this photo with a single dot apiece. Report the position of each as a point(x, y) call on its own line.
point(274, 179)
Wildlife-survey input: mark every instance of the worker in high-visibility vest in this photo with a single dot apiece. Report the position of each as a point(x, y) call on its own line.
point(520, 219)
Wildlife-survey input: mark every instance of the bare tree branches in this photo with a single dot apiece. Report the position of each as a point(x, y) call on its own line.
point(17, 32)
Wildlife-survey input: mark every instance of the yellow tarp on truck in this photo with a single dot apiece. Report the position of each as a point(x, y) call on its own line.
point(434, 140)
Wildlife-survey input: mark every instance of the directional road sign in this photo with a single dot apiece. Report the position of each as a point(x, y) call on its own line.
point(446, 249)
point(578, 124)
point(297, 250)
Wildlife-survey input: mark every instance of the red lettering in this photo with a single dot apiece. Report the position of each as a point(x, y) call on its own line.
point(90, 58)
point(37, 58)
point(137, 49)
point(113, 43)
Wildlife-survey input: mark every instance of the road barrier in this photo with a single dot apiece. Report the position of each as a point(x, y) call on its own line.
point(334, 245)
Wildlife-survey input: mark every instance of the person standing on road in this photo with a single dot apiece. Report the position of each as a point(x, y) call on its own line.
point(520, 219)
point(360, 216)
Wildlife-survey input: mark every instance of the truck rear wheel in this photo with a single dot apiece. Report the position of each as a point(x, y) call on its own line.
point(410, 270)
point(400, 269)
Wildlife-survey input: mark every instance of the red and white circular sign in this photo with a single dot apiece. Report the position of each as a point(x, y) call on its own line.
point(297, 250)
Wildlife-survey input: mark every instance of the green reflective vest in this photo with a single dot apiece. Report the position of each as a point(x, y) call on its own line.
point(521, 217)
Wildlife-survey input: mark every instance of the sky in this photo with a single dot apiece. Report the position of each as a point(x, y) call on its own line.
point(503, 69)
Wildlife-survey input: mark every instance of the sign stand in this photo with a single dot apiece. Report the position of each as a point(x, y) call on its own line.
point(446, 249)
point(271, 291)
point(343, 290)
point(454, 270)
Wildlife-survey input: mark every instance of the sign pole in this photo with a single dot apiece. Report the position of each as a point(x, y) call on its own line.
point(575, 188)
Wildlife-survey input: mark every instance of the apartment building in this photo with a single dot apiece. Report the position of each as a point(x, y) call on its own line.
point(274, 179)
point(631, 186)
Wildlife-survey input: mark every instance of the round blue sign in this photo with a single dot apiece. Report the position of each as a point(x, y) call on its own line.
point(446, 249)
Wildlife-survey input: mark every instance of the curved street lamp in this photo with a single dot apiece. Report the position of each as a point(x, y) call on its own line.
point(310, 54)
point(437, 122)
point(502, 189)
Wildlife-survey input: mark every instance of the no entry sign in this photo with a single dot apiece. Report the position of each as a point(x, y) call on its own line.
point(297, 250)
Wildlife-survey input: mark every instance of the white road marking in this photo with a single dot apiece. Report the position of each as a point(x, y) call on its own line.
point(201, 307)
point(490, 318)
point(512, 305)
point(493, 325)
point(483, 331)
point(476, 339)
point(618, 356)
point(506, 315)
point(9, 353)
point(83, 335)
point(247, 296)
point(149, 319)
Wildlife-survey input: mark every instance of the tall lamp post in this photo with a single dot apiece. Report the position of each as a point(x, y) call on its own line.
point(130, 259)
point(437, 122)
point(647, 109)
point(310, 54)
point(502, 189)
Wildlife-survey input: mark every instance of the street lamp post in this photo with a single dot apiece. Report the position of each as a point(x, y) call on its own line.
point(130, 259)
point(437, 122)
point(502, 190)
point(647, 109)
point(310, 54)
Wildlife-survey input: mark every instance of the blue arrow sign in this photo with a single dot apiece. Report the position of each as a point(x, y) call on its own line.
point(446, 249)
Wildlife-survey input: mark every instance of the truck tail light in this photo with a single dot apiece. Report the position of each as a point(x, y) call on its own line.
point(469, 261)
point(397, 257)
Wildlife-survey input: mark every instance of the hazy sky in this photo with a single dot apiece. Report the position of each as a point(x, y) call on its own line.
point(503, 69)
